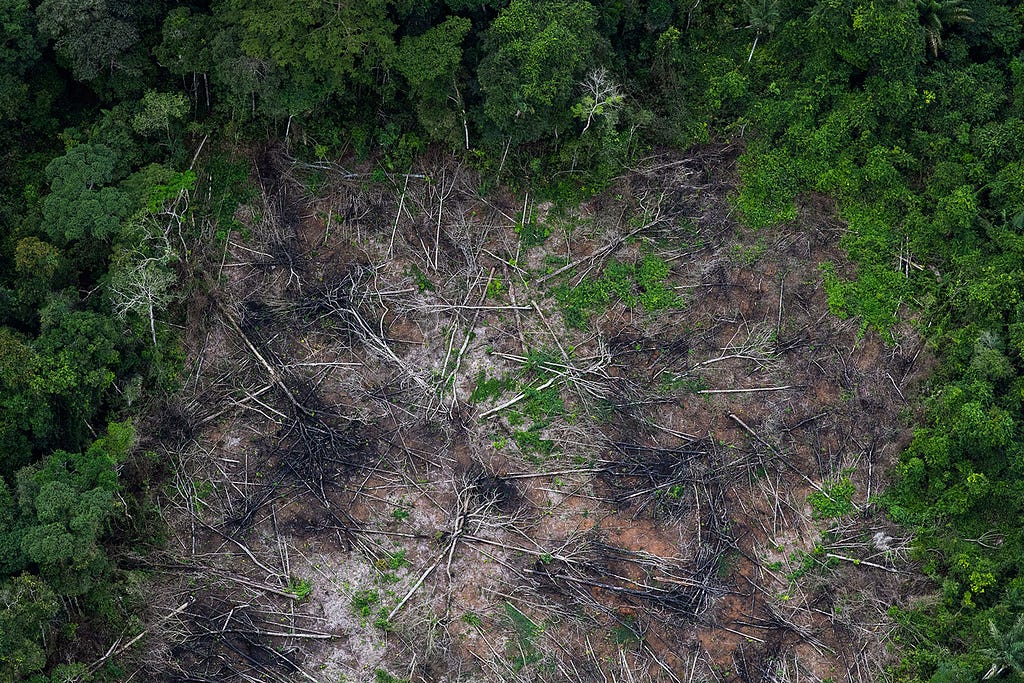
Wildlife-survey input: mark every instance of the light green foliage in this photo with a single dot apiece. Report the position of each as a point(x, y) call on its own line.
point(300, 588)
point(396, 559)
point(801, 562)
point(159, 110)
point(543, 405)
point(228, 186)
point(643, 283)
point(769, 189)
point(365, 601)
point(530, 441)
point(876, 292)
point(833, 500)
point(535, 53)
point(490, 388)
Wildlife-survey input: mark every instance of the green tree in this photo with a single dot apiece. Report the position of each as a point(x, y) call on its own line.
point(764, 17)
point(92, 35)
point(27, 605)
point(81, 204)
point(937, 16)
point(536, 51)
point(322, 47)
point(877, 38)
point(38, 265)
point(158, 110)
point(1007, 652)
point(19, 51)
point(12, 559)
point(186, 46)
point(21, 411)
point(431, 62)
point(64, 504)
point(77, 360)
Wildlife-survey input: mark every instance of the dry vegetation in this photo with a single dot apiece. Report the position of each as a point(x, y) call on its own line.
point(395, 460)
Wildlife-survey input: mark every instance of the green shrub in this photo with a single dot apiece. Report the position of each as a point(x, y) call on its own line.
point(834, 500)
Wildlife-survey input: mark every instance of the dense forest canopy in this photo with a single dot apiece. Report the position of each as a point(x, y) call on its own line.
point(909, 113)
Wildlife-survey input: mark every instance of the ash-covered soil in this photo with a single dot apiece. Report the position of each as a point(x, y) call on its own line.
point(435, 435)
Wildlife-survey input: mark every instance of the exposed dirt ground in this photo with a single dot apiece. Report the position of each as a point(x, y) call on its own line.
point(404, 452)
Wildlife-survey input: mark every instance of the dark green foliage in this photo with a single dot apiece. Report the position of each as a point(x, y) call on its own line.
point(63, 506)
point(423, 283)
point(532, 233)
point(627, 632)
point(315, 50)
point(52, 522)
point(93, 36)
point(1007, 651)
point(536, 52)
point(382, 676)
point(29, 606)
point(18, 52)
point(81, 204)
point(431, 63)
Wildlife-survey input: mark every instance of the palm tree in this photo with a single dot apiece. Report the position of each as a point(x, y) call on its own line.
point(1008, 652)
point(764, 17)
point(937, 15)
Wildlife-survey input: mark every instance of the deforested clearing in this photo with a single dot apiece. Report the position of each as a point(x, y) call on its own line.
point(429, 432)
